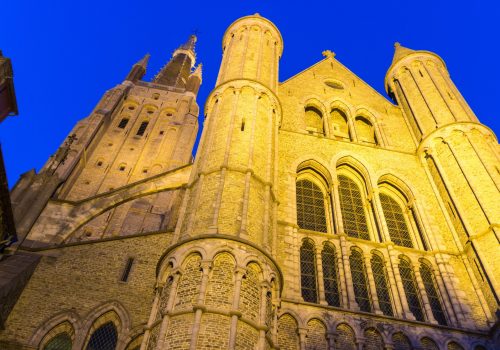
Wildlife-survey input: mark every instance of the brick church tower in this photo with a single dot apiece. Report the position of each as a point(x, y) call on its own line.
point(317, 214)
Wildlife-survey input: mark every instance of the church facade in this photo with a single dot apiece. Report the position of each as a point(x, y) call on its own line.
point(316, 213)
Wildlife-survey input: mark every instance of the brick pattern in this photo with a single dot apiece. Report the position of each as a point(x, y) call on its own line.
point(454, 346)
point(288, 337)
point(189, 285)
point(428, 344)
point(246, 337)
point(373, 340)
point(220, 289)
point(345, 339)
point(401, 341)
point(250, 293)
point(178, 335)
point(316, 336)
point(214, 332)
point(153, 337)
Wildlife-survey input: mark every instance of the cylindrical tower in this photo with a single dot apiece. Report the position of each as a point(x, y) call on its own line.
point(460, 156)
point(219, 282)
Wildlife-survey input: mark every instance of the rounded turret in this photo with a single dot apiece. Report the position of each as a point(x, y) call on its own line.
point(252, 47)
point(420, 83)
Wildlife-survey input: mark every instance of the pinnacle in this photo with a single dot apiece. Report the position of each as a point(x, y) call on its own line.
point(400, 52)
point(189, 45)
point(143, 62)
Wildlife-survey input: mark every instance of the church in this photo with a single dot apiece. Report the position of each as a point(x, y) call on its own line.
point(316, 213)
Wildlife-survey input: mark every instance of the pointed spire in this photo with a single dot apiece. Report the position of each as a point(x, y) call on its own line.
point(139, 69)
point(194, 80)
point(190, 44)
point(400, 52)
point(143, 62)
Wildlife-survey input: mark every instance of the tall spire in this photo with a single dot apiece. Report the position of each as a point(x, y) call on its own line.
point(176, 72)
point(400, 52)
point(139, 69)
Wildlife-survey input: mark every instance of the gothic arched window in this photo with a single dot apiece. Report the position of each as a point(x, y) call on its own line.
point(410, 288)
point(339, 123)
point(359, 281)
point(330, 275)
point(365, 130)
point(308, 272)
point(310, 206)
point(352, 208)
point(103, 338)
point(381, 285)
point(396, 223)
point(62, 341)
point(432, 294)
point(314, 120)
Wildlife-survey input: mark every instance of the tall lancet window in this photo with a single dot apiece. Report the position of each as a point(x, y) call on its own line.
point(353, 212)
point(396, 223)
point(432, 294)
point(359, 281)
point(104, 338)
point(308, 278)
point(410, 288)
point(330, 275)
point(380, 277)
point(365, 130)
point(310, 206)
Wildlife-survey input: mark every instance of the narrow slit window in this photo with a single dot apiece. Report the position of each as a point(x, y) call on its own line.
point(142, 128)
point(432, 294)
point(123, 123)
point(308, 272)
point(126, 270)
point(243, 125)
point(411, 290)
point(359, 281)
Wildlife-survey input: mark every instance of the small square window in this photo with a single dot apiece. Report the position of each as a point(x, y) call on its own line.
point(122, 167)
point(161, 132)
point(99, 163)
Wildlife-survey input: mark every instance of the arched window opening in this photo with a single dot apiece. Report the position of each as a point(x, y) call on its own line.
point(401, 342)
point(396, 223)
point(410, 288)
point(61, 341)
point(365, 131)
point(352, 208)
point(314, 120)
point(428, 344)
point(339, 124)
point(123, 123)
point(310, 206)
point(432, 294)
point(104, 338)
point(373, 340)
point(359, 281)
point(142, 128)
point(454, 346)
point(330, 275)
point(381, 285)
point(308, 272)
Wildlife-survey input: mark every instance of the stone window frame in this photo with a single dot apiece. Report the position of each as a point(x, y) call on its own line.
point(310, 173)
point(377, 254)
point(314, 288)
point(438, 295)
point(356, 252)
point(353, 174)
point(109, 316)
point(63, 327)
point(410, 213)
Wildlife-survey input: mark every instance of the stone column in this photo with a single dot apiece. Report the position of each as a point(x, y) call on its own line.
point(423, 294)
point(166, 313)
point(239, 272)
point(371, 282)
point(319, 270)
point(398, 312)
point(264, 289)
point(399, 283)
point(199, 307)
point(353, 305)
point(330, 337)
point(302, 338)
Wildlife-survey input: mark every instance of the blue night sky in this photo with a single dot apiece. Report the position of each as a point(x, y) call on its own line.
point(66, 54)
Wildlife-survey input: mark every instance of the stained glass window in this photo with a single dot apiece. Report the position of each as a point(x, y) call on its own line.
point(432, 294)
point(410, 288)
point(381, 285)
point(310, 206)
point(308, 272)
point(330, 279)
point(359, 281)
point(353, 212)
point(396, 223)
point(62, 341)
point(103, 338)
